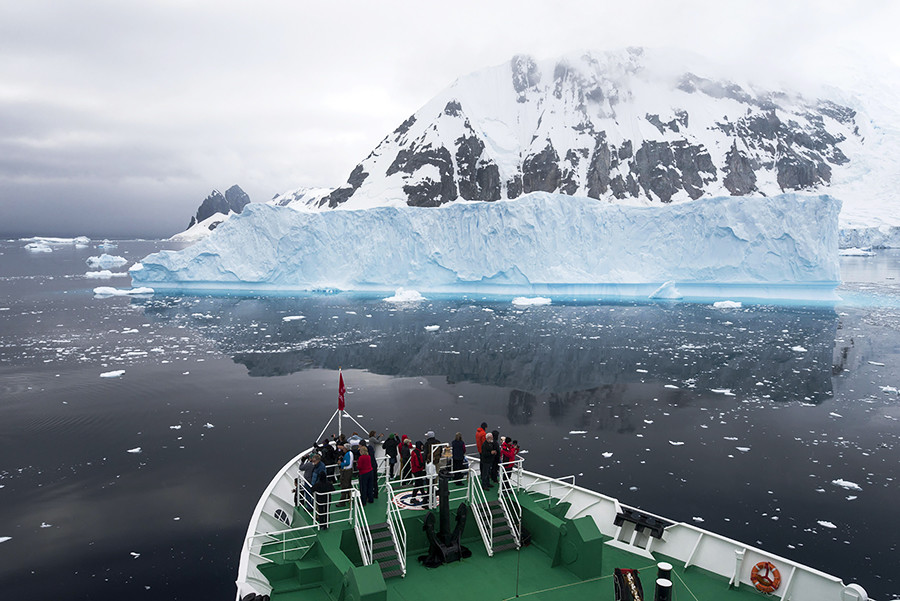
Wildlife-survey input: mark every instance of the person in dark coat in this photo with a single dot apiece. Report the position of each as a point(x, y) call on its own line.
point(390, 449)
point(489, 450)
point(304, 483)
point(430, 441)
point(495, 467)
point(370, 446)
point(320, 489)
point(458, 448)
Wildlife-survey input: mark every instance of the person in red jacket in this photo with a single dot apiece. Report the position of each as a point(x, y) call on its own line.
point(417, 467)
point(366, 475)
point(480, 434)
point(508, 453)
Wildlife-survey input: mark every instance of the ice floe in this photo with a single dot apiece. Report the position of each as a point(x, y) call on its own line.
point(530, 301)
point(676, 443)
point(725, 391)
point(3, 539)
point(104, 274)
point(106, 261)
point(402, 295)
point(117, 373)
point(846, 484)
point(293, 317)
point(826, 524)
point(727, 304)
point(134, 450)
point(109, 291)
point(433, 328)
point(855, 252)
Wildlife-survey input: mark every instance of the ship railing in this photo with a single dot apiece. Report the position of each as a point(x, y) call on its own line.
point(512, 510)
point(553, 488)
point(479, 504)
point(361, 527)
point(395, 525)
point(291, 539)
point(327, 508)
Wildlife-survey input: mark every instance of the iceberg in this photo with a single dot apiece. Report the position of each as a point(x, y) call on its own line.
point(782, 247)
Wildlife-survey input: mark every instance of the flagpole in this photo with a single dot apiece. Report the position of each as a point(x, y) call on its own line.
point(340, 398)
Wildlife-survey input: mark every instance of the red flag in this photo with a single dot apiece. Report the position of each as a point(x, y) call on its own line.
point(341, 391)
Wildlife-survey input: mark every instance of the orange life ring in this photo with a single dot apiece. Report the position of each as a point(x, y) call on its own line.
point(766, 577)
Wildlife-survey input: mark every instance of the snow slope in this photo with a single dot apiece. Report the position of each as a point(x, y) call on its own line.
point(637, 126)
point(753, 247)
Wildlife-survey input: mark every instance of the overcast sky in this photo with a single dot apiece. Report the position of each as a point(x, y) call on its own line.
point(118, 117)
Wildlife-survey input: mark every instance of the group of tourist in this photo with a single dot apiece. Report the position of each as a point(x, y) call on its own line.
point(340, 458)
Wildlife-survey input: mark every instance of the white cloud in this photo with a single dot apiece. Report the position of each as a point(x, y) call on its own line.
point(155, 103)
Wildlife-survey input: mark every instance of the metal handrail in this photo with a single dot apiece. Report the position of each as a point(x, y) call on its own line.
point(330, 503)
point(512, 509)
point(361, 527)
point(280, 536)
point(539, 479)
point(396, 526)
point(479, 504)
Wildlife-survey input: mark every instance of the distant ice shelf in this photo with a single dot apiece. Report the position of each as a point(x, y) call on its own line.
point(781, 247)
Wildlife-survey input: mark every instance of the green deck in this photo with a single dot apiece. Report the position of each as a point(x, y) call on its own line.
point(567, 559)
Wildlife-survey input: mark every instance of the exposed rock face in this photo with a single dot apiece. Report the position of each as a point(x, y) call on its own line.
point(608, 126)
point(234, 200)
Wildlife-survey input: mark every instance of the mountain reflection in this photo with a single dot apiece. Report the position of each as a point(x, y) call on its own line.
point(563, 354)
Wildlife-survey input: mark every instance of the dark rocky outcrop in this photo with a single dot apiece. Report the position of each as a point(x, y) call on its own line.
point(234, 200)
point(426, 193)
point(540, 172)
point(340, 195)
point(739, 179)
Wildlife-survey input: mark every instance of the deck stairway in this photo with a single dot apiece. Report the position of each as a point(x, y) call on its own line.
point(503, 538)
point(384, 551)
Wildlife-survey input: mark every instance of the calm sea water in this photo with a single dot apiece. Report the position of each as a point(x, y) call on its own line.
point(744, 421)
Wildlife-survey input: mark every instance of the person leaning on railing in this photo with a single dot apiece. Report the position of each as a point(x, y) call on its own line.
point(346, 466)
point(458, 457)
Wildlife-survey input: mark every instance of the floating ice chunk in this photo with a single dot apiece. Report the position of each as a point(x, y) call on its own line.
point(526, 301)
point(698, 519)
point(743, 449)
point(648, 421)
point(607, 454)
point(106, 244)
point(135, 450)
point(725, 391)
point(293, 317)
point(667, 291)
point(175, 427)
point(889, 389)
point(103, 291)
point(106, 261)
point(876, 363)
point(825, 524)
point(454, 419)
point(38, 247)
point(208, 425)
point(403, 295)
point(671, 386)
point(730, 437)
point(46, 525)
point(846, 484)
point(676, 443)
point(578, 432)
point(833, 414)
point(851, 498)
point(798, 349)
point(118, 373)
point(855, 252)
point(135, 555)
point(433, 328)
point(104, 274)
point(727, 304)
point(3, 539)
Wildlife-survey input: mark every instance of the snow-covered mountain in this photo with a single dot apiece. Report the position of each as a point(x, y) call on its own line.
point(633, 126)
point(212, 212)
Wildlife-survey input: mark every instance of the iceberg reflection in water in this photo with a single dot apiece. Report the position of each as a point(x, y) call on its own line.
point(561, 350)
